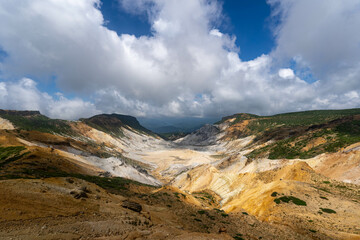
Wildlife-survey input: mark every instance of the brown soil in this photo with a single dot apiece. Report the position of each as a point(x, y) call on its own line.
point(46, 209)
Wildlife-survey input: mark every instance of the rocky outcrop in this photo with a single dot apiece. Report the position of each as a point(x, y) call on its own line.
point(207, 135)
point(134, 206)
point(6, 124)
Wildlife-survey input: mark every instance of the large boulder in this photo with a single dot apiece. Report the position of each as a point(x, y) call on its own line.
point(134, 206)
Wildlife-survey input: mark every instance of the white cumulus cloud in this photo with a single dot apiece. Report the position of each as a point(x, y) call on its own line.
point(186, 67)
point(286, 73)
point(24, 95)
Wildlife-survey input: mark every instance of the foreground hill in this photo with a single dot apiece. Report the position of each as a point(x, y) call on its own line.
point(96, 145)
point(288, 176)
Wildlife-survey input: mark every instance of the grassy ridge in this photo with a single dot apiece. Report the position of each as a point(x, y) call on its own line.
point(109, 123)
point(39, 123)
point(334, 139)
point(306, 118)
point(112, 123)
point(293, 132)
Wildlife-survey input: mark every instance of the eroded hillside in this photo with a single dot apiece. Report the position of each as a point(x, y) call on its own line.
point(288, 176)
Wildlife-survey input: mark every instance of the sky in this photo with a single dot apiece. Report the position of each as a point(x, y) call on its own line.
point(169, 58)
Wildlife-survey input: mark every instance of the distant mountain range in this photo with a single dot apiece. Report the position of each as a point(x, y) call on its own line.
point(175, 125)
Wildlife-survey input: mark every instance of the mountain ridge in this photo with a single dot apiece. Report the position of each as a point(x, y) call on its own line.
point(112, 122)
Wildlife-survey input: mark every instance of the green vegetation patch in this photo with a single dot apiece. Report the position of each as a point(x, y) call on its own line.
point(219, 210)
point(114, 184)
point(274, 194)
point(341, 186)
point(177, 195)
point(172, 136)
point(328, 210)
point(204, 196)
point(39, 123)
point(304, 118)
point(322, 189)
point(201, 211)
point(219, 156)
point(239, 117)
point(112, 123)
point(114, 131)
point(287, 199)
point(10, 154)
point(294, 131)
point(238, 236)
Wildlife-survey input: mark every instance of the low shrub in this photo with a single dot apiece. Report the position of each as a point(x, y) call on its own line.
point(274, 194)
point(287, 199)
point(328, 210)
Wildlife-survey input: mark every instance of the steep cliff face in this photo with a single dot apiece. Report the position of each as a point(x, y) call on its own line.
point(205, 136)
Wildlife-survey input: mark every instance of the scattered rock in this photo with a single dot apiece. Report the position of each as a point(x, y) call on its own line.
point(147, 215)
point(69, 180)
point(77, 194)
point(85, 189)
point(105, 174)
point(81, 195)
point(134, 206)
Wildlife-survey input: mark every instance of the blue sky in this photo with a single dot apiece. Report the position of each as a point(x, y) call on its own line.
point(174, 59)
point(248, 20)
point(121, 21)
